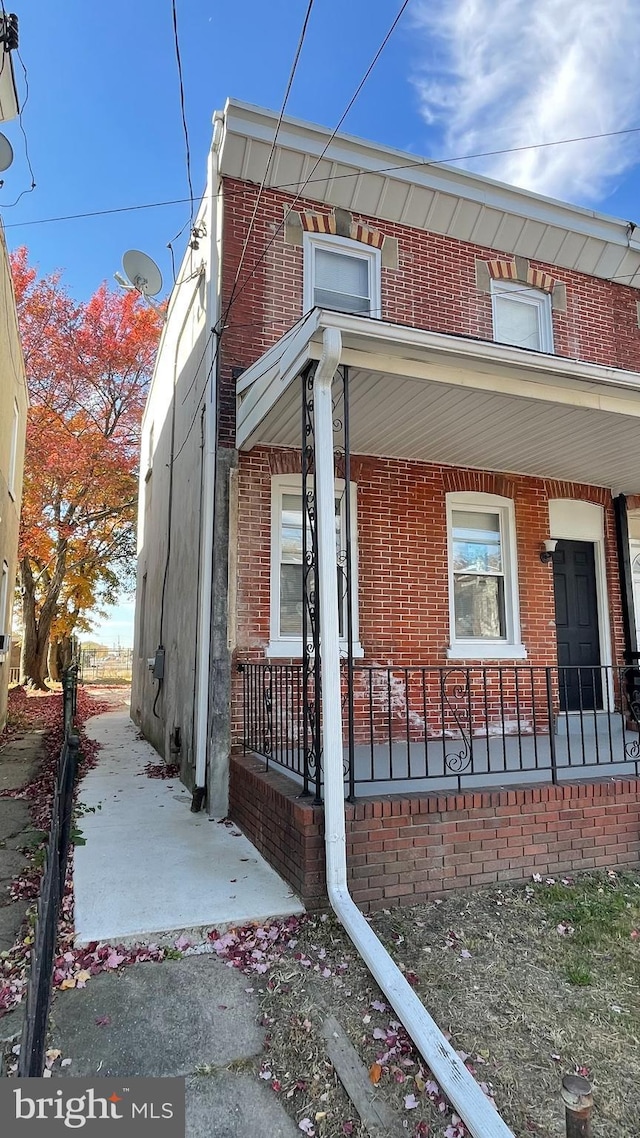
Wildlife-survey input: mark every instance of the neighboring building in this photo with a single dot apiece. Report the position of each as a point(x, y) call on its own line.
point(13, 425)
point(486, 405)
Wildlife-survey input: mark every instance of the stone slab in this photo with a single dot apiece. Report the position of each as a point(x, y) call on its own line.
point(167, 1018)
point(11, 1025)
point(229, 1105)
point(19, 761)
point(11, 918)
point(12, 862)
point(14, 817)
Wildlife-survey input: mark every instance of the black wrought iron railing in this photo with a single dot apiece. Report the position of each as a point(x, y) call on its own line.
point(427, 728)
point(32, 1049)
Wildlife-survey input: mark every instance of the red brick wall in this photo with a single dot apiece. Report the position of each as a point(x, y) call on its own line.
point(403, 851)
point(403, 576)
point(434, 287)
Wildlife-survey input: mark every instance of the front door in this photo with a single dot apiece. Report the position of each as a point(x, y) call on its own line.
point(574, 581)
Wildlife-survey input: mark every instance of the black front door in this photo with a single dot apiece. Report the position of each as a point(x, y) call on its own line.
point(574, 581)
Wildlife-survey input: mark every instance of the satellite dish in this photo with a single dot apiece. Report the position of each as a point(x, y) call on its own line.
point(6, 153)
point(144, 274)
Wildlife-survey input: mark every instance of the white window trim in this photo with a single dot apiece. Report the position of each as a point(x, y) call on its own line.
point(511, 648)
point(334, 244)
point(285, 647)
point(525, 294)
point(13, 454)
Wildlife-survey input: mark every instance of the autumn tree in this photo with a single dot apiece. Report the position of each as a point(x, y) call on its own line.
point(88, 369)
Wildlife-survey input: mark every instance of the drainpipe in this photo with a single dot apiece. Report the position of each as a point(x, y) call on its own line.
point(208, 495)
point(458, 1085)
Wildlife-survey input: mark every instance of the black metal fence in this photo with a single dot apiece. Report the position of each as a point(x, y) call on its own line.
point(408, 729)
point(32, 1050)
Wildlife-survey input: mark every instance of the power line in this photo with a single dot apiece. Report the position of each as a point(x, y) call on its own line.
point(247, 238)
point(97, 213)
point(422, 162)
point(357, 91)
point(32, 187)
point(176, 41)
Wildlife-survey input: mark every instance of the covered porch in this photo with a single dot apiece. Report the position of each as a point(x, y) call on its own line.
point(439, 714)
point(428, 730)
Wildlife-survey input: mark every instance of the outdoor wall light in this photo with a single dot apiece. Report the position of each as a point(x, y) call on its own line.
point(548, 550)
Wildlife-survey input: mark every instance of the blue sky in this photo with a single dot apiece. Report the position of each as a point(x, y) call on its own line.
point(458, 77)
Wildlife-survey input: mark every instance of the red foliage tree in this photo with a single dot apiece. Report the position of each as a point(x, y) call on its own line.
point(88, 369)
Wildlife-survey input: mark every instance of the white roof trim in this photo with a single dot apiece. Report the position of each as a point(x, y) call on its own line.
point(434, 196)
point(376, 345)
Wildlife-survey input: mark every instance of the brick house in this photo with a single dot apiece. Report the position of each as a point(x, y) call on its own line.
point(486, 511)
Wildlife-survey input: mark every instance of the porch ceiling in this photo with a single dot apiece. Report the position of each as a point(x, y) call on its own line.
point(426, 397)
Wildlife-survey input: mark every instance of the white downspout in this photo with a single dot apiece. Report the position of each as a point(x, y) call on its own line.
point(448, 1069)
point(209, 471)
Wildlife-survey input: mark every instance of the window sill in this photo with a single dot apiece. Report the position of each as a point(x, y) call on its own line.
point(292, 649)
point(486, 650)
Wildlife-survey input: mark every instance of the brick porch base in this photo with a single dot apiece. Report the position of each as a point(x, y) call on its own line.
point(403, 851)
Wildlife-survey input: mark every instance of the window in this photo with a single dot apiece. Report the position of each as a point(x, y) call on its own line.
point(483, 579)
point(287, 566)
point(522, 316)
point(341, 274)
point(13, 454)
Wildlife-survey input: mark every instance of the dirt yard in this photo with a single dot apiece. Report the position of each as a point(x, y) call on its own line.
point(531, 983)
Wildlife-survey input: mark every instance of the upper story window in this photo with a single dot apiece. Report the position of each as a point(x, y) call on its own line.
point(341, 274)
point(521, 316)
point(483, 577)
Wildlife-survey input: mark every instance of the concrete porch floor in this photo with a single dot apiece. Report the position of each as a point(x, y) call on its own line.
point(149, 865)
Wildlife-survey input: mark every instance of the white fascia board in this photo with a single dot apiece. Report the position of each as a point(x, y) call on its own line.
point(261, 385)
point(257, 123)
point(374, 345)
point(280, 354)
point(397, 336)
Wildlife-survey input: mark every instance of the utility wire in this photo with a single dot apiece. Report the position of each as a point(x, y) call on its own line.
point(237, 291)
point(32, 187)
point(256, 207)
point(223, 320)
point(422, 162)
point(176, 41)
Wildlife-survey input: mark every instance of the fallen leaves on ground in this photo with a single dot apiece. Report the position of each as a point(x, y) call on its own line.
point(162, 770)
point(41, 711)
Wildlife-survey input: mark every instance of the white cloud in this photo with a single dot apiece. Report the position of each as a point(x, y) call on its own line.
point(506, 73)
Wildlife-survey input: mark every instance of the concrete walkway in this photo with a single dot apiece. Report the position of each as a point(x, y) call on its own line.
point(149, 865)
point(193, 1018)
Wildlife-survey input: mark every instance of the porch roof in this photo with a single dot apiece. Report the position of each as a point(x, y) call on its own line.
point(430, 397)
